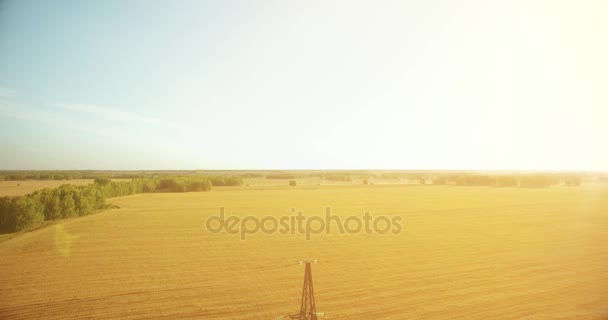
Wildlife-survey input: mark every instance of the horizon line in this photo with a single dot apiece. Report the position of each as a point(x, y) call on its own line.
point(327, 169)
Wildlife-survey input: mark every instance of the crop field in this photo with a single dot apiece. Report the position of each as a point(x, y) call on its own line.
point(463, 253)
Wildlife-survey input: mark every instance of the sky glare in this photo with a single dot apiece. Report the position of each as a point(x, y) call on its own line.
point(507, 85)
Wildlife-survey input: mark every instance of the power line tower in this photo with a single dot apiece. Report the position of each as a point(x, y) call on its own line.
point(308, 308)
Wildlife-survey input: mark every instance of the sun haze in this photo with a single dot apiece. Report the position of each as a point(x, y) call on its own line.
point(518, 85)
point(196, 159)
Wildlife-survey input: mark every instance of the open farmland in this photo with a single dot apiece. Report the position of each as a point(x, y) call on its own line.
point(464, 253)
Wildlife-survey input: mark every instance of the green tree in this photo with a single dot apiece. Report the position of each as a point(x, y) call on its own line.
point(68, 206)
point(102, 181)
point(29, 213)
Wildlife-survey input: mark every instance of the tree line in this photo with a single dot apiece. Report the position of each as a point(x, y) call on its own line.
point(526, 181)
point(337, 177)
point(17, 175)
point(67, 201)
point(65, 175)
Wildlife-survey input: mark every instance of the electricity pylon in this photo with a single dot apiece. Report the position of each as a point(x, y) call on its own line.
point(308, 308)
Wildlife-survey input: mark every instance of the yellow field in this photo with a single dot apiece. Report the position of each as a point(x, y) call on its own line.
point(465, 253)
point(23, 187)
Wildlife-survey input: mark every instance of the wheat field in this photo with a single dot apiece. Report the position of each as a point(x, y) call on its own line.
point(464, 253)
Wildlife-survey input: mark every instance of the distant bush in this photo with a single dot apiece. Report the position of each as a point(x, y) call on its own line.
point(292, 183)
point(168, 184)
point(392, 176)
point(102, 181)
point(526, 181)
point(507, 181)
point(572, 180)
point(471, 180)
point(183, 184)
point(280, 176)
point(336, 177)
point(253, 175)
point(439, 181)
point(196, 185)
point(536, 181)
point(226, 181)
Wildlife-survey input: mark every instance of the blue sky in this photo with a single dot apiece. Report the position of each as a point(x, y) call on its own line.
point(303, 85)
